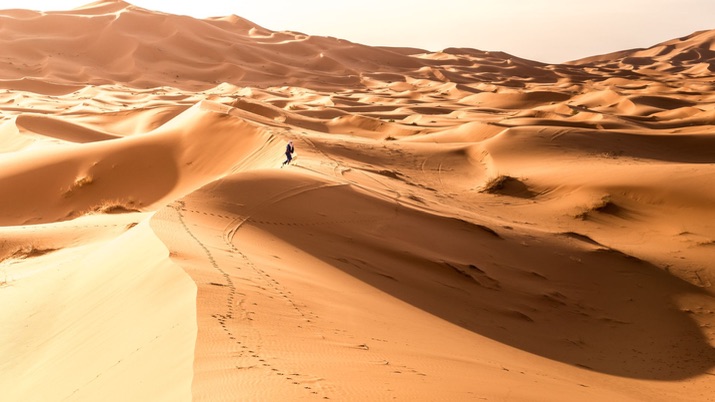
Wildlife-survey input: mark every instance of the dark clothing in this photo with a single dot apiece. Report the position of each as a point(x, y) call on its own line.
point(289, 153)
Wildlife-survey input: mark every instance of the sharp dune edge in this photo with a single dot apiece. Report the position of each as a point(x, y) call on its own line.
point(459, 225)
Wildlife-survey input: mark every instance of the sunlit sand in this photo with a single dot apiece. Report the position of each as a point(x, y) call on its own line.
point(457, 225)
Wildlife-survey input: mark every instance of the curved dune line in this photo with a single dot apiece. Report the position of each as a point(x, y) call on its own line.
point(60, 129)
point(39, 86)
point(459, 225)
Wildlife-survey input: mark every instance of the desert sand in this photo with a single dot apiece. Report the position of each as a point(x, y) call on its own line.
point(460, 225)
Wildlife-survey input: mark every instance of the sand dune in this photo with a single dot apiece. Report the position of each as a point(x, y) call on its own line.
point(457, 225)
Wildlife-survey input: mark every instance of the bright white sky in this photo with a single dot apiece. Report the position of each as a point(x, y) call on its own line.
point(545, 30)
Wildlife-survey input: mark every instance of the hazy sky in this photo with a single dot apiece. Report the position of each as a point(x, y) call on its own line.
point(544, 30)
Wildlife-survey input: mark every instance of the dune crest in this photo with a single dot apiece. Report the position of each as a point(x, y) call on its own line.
point(455, 225)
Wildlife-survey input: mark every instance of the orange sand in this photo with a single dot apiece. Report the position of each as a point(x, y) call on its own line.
point(458, 226)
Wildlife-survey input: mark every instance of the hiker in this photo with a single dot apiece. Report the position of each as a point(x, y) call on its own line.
point(289, 153)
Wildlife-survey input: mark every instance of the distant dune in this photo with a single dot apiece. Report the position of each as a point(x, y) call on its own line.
point(457, 225)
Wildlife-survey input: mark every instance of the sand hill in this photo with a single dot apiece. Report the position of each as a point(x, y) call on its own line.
point(457, 225)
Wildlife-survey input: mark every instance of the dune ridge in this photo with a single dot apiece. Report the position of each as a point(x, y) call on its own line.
point(456, 225)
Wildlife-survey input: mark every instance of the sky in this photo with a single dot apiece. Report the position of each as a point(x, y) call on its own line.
point(551, 31)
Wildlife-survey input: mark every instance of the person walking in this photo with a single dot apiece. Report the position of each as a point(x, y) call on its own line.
point(289, 153)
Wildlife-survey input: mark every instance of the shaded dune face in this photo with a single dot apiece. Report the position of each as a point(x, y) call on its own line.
point(457, 224)
point(468, 274)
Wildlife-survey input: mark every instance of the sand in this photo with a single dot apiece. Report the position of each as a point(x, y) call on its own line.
point(457, 225)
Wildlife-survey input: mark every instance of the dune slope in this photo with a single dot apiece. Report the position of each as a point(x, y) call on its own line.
point(455, 225)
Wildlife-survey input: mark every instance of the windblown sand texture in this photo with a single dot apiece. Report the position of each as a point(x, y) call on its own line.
point(458, 226)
